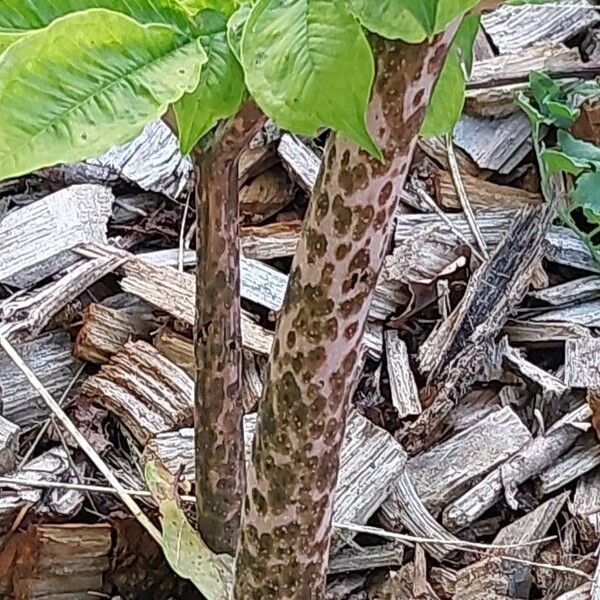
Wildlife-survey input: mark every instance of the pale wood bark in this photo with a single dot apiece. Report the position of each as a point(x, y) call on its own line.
point(9, 445)
point(315, 358)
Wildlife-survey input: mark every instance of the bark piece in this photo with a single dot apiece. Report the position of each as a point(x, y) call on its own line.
point(105, 331)
point(9, 445)
point(582, 367)
point(302, 162)
point(505, 578)
point(36, 241)
point(585, 313)
point(533, 458)
point(482, 194)
point(401, 585)
point(369, 557)
point(177, 348)
point(583, 457)
point(570, 291)
point(369, 463)
point(276, 240)
point(530, 332)
point(496, 144)
point(65, 562)
point(435, 147)
point(49, 357)
point(513, 28)
point(405, 395)
point(152, 161)
point(147, 392)
point(586, 504)
point(266, 195)
point(447, 470)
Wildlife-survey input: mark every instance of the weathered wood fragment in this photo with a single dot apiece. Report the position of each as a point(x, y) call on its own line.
point(254, 161)
point(370, 462)
point(435, 147)
point(266, 195)
point(505, 578)
point(570, 291)
point(530, 460)
point(60, 562)
point(302, 163)
point(531, 332)
point(368, 557)
point(582, 363)
point(36, 241)
point(583, 457)
point(147, 392)
point(513, 28)
point(584, 313)
point(152, 161)
point(9, 445)
point(49, 357)
point(275, 240)
point(405, 395)
point(482, 194)
point(447, 470)
point(105, 331)
point(586, 505)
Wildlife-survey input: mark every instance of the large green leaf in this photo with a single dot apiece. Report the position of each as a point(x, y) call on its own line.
point(195, 6)
point(235, 29)
point(19, 17)
point(308, 64)
point(579, 149)
point(221, 88)
point(85, 83)
point(586, 193)
point(183, 547)
point(410, 20)
point(559, 162)
point(448, 98)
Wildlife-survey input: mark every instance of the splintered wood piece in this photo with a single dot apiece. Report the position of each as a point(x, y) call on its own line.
point(174, 293)
point(506, 578)
point(254, 161)
point(582, 363)
point(529, 332)
point(370, 461)
point(435, 147)
point(584, 313)
point(570, 291)
point(447, 470)
point(56, 561)
point(586, 505)
point(533, 458)
point(355, 559)
point(105, 331)
point(27, 315)
point(266, 195)
point(482, 194)
point(301, 162)
point(407, 510)
point(495, 144)
point(147, 392)
point(152, 161)
point(405, 395)
point(53, 465)
point(9, 445)
point(276, 240)
point(583, 457)
point(36, 241)
point(50, 358)
point(513, 28)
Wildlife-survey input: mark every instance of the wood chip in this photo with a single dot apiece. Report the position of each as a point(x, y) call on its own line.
point(582, 367)
point(302, 163)
point(35, 241)
point(405, 395)
point(276, 240)
point(9, 445)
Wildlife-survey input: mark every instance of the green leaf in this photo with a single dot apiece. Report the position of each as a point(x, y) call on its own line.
point(87, 82)
point(578, 148)
point(586, 192)
point(184, 549)
point(221, 88)
point(227, 7)
point(448, 98)
point(559, 162)
point(448, 10)
point(390, 19)
point(235, 29)
point(19, 17)
point(308, 64)
point(561, 114)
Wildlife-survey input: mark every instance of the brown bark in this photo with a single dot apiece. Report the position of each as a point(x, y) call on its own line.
point(220, 472)
point(315, 358)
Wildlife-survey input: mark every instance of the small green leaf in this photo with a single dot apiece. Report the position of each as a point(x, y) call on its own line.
point(561, 114)
point(221, 88)
point(448, 98)
point(448, 10)
point(586, 192)
point(227, 7)
point(184, 549)
point(308, 64)
point(235, 29)
point(559, 162)
point(578, 148)
point(87, 82)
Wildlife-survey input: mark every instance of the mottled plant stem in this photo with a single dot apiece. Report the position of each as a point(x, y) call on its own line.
point(313, 368)
point(220, 468)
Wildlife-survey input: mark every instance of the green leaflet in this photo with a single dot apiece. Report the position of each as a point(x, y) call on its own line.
point(220, 90)
point(19, 17)
point(195, 6)
point(235, 29)
point(579, 149)
point(184, 549)
point(448, 98)
point(557, 162)
point(87, 82)
point(308, 64)
point(410, 20)
point(586, 194)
